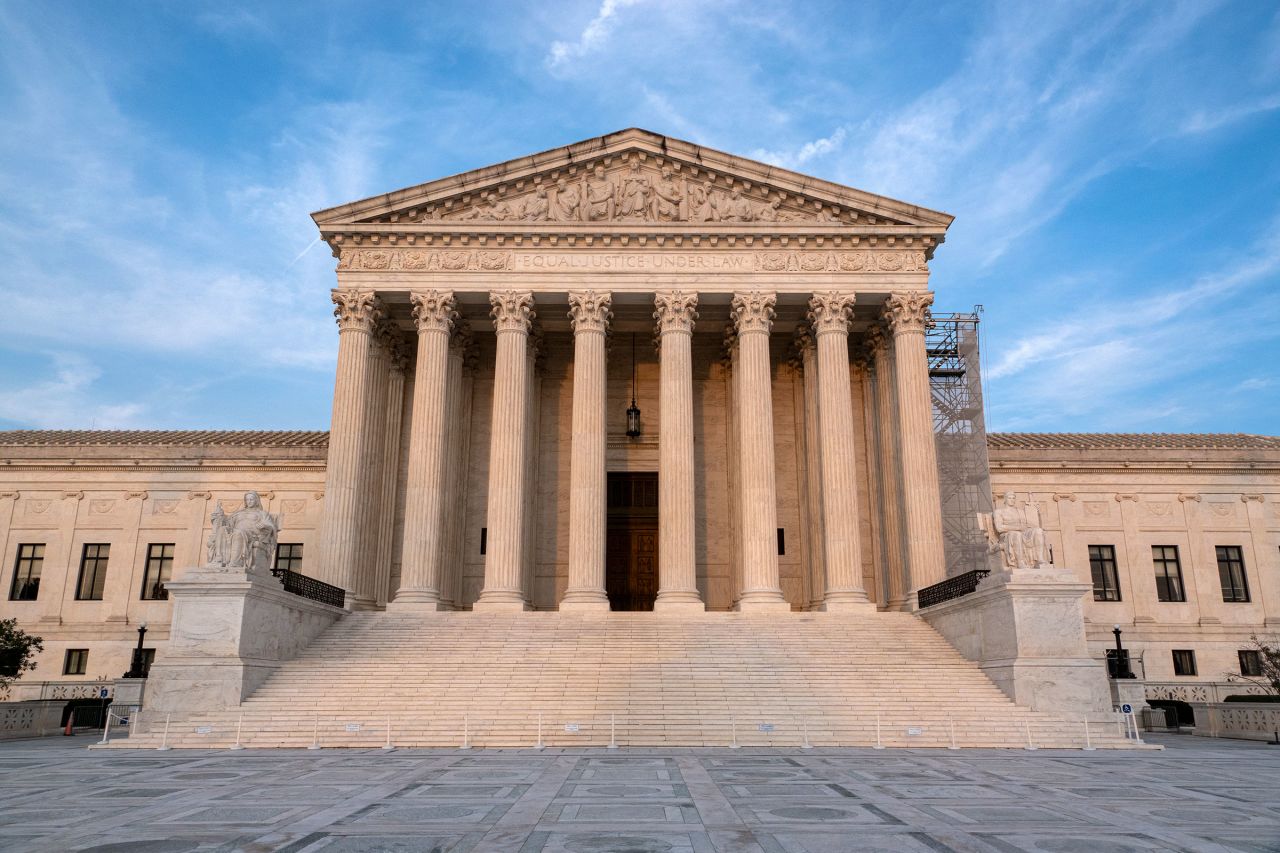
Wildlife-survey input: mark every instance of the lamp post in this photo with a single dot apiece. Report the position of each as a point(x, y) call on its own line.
point(1122, 669)
point(136, 670)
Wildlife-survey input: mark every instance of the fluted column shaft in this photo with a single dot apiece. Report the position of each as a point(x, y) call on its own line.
point(512, 315)
point(907, 314)
point(377, 385)
point(357, 311)
point(808, 358)
point(434, 314)
point(676, 312)
point(889, 469)
point(398, 357)
point(829, 317)
point(752, 314)
point(590, 313)
point(457, 420)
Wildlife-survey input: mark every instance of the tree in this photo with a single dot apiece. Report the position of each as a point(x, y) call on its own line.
point(17, 648)
point(1269, 659)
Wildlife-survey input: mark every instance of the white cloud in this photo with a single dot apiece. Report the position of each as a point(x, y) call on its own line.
point(592, 37)
point(66, 400)
point(1203, 121)
point(798, 157)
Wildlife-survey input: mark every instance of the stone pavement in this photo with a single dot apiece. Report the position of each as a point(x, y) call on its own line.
point(1198, 794)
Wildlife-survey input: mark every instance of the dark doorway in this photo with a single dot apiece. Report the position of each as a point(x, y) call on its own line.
point(631, 555)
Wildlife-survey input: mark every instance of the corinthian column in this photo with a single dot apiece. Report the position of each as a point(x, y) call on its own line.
point(434, 314)
point(842, 551)
point(512, 316)
point(588, 509)
point(889, 468)
point(357, 311)
point(377, 387)
point(385, 521)
point(906, 314)
point(677, 563)
point(752, 315)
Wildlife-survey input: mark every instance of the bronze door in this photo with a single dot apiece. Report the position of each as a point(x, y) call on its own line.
point(631, 561)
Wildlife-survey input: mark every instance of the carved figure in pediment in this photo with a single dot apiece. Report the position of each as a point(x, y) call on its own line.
point(668, 198)
point(737, 208)
point(701, 203)
point(536, 206)
point(567, 206)
point(601, 196)
point(769, 212)
point(634, 199)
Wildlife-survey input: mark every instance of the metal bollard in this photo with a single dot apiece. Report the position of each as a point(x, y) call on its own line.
point(1088, 742)
point(466, 732)
point(613, 732)
point(1030, 746)
point(733, 728)
point(315, 735)
point(239, 726)
point(164, 739)
point(387, 747)
point(804, 734)
point(951, 723)
point(539, 744)
point(878, 745)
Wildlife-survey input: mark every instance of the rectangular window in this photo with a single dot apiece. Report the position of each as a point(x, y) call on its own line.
point(93, 572)
point(76, 662)
point(484, 539)
point(289, 556)
point(158, 572)
point(1184, 662)
point(1168, 573)
point(26, 573)
point(1235, 587)
point(782, 542)
point(1250, 662)
point(1106, 582)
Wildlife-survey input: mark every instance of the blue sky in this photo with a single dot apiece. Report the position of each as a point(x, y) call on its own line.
point(1112, 166)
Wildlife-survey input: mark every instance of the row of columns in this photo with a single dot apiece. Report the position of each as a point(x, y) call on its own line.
point(361, 436)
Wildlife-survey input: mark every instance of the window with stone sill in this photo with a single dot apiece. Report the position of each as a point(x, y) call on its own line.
point(159, 570)
point(76, 662)
point(1250, 662)
point(1235, 586)
point(1168, 573)
point(26, 572)
point(93, 572)
point(1106, 580)
point(1184, 662)
point(289, 556)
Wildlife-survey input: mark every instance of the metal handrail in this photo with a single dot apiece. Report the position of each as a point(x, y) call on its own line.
point(955, 587)
point(308, 587)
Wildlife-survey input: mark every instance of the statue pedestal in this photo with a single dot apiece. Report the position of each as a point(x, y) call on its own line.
point(1026, 630)
point(230, 630)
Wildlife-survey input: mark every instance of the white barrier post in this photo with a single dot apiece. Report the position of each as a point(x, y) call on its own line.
point(387, 747)
point(239, 726)
point(613, 731)
point(164, 739)
point(1088, 742)
point(1030, 746)
point(466, 732)
point(106, 730)
point(733, 728)
point(539, 744)
point(1133, 724)
point(951, 723)
point(804, 729)
point(879, 745)
point(315, 735)
point(133, 722)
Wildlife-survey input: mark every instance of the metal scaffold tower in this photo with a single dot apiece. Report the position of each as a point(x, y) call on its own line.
point(964, 473)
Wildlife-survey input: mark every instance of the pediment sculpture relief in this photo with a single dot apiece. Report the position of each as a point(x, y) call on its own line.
point(638, 194)
point(1014, 531)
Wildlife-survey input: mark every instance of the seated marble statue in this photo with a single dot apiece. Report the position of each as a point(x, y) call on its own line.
point(245, 539)
point(1015, 532)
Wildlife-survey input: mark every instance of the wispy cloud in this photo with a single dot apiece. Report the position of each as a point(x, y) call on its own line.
point(65, 400)
point(798, 157)
point(592, 37)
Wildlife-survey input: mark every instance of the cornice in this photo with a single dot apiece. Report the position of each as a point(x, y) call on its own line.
point(164, 466)
point(1148, 468)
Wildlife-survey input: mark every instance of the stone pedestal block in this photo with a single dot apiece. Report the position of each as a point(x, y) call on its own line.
point(231, 629)
point(129, 691)
point(1026, 630)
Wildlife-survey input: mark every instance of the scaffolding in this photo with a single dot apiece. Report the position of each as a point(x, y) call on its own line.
point(960, 434)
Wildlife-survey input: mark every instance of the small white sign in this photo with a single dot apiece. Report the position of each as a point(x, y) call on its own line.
point(913, 731)
point(204, 730)
point(1126, 708)
point(571, 728)
point(765, 727)
point(353, 727)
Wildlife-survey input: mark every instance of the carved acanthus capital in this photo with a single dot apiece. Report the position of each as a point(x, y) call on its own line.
point(675, 310)
point(512, 310)
point(802, 344)
point(434, 310)
point(590, 310)
point(830, 312)
point(752, 311)
point(861, 358)
point(357, 310)
point(908, 311)
point(398, 352)
point(876, 340)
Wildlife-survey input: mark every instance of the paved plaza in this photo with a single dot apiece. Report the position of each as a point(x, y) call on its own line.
point(1198, 794)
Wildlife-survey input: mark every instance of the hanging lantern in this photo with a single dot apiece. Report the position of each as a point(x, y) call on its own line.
point(633, 411)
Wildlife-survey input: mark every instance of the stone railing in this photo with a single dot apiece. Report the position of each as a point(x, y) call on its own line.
point(30, 719)
point(32, 691)
point(951, 588)
point(1199, 691)
point(1243, 720)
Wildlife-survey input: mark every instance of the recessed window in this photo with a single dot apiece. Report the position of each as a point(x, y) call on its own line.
point(1184, 662)
point(1250, 662)
point(1106, 582)
point(782, 542)
point(26, 573)
point(158, 572)
point(1235, 586)
point(76, 662)
point(93, 572)
point(1168, 573)
point(484, 540)
point(289, 556)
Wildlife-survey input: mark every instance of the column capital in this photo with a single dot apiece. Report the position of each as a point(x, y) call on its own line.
point(590, 310)
point(399, 352)
point(433, 310)
point(908, 311)
point(876, 338)
point(385, 333)
point(675, 310)
point(512, 310)
point(802, 343)
point(830, 312)
point(357, 310)
point(752, 311)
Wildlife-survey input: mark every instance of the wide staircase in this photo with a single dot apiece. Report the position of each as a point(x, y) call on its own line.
point(627, 679)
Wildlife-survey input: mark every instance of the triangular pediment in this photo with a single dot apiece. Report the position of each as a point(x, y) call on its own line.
point(632, 178)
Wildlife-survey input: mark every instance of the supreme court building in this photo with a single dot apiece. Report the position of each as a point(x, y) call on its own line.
point(635, 374)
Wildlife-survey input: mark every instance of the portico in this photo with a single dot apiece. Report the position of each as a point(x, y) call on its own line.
point(494, 327)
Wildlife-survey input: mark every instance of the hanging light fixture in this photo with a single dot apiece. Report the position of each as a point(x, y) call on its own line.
point(633, 411)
